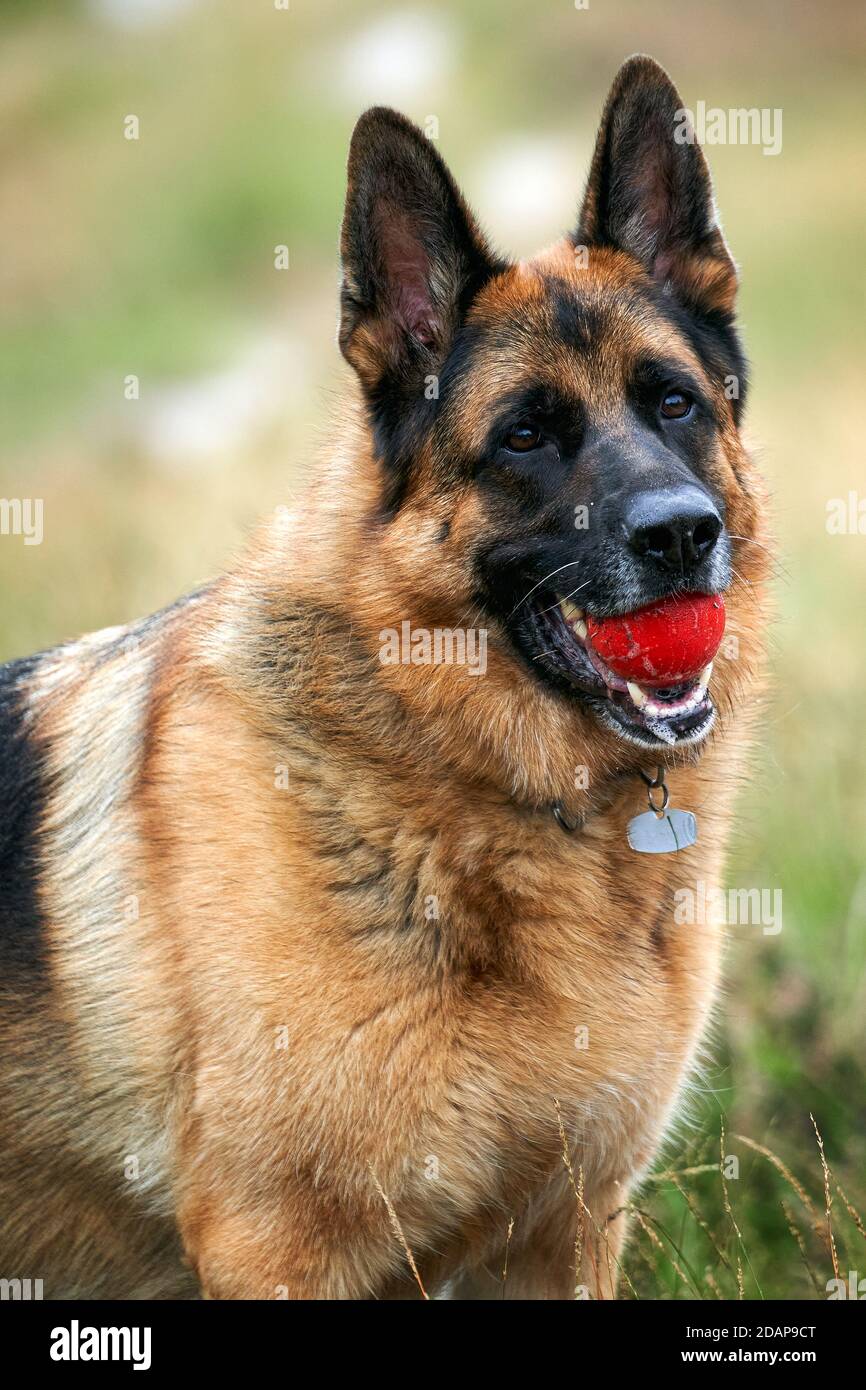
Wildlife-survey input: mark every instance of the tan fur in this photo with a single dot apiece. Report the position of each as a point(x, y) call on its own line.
point(278, 999)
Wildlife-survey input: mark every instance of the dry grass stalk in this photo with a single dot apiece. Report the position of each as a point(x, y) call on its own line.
point(398, 1231)
point(852, 1212)
point(642, 1222)
point(727, 1201)
point(700, 1220)
point(508, 1235)
point(786, 1174)
point(583, 1212)
point(828, 1200)
point(795, 1232)
point(671, 1174)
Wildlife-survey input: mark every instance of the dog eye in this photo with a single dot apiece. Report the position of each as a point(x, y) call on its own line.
point(523, 437)
point(675, 405)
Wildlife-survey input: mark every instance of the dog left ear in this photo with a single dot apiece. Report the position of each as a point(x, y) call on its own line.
point(649, 191)
point(412, 255)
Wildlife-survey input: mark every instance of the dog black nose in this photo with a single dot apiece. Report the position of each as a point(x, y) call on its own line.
point(676, 527)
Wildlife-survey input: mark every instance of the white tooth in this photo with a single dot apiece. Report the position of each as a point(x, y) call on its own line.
point(637, 695)
point(581, 629)
point(705, 676)
point(570, 610)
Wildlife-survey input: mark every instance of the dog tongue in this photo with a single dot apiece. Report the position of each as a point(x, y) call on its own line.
point(663, 644)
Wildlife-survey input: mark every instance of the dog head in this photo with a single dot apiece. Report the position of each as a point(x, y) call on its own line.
point(557, 440)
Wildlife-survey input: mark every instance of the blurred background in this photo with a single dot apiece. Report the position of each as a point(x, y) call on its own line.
point(164, 382)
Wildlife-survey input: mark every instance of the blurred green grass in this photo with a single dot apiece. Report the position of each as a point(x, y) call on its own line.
point(155, 257)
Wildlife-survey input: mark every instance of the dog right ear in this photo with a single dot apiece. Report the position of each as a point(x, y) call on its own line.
point(649, 191)
point(412, 256)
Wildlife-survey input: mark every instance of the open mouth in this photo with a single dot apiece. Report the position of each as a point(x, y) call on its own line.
point(649, 715)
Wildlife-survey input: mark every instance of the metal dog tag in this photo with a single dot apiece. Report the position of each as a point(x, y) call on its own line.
point(659, 830)
point(662, 833)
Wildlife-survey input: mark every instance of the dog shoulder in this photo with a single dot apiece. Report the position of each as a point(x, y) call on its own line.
point(73, 729)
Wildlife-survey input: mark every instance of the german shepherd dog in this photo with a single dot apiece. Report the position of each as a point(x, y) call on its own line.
point(317, 957)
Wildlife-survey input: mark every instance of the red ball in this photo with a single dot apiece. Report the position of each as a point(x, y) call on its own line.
point(663, 644)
